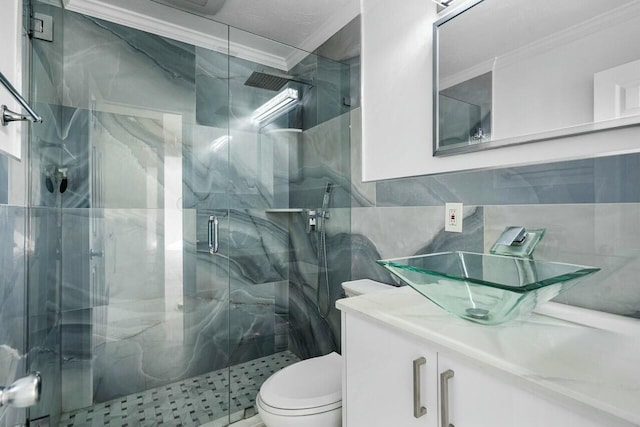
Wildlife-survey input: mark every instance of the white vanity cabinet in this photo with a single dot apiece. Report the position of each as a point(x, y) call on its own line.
point(379, 367)
point(482, 397)
point(378, 386)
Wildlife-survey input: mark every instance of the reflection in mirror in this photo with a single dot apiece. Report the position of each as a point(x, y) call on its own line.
point(512, 72)
point(465, 111)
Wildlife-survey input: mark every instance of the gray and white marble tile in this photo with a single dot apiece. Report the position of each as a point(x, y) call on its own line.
point(107, 64)
point(212, 88)
point(151, 337)
point(601, 180)
point(60, 145)
point(600, 235)
point(259, 270)
point(615, 179)
point(394, 232)
point(333, 88)
point(325, 159)
point(205, 169)
point(344, 46)
point(129, 154)
point(566, 182)
point(314, 321)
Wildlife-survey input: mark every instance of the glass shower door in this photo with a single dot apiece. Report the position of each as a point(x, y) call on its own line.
point(137, 297)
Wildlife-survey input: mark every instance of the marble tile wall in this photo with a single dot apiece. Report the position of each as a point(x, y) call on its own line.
point(109, 65)
point(589, 208)
point(312, 334)
point(326, 158)
point(344, 46)
point(328, 94)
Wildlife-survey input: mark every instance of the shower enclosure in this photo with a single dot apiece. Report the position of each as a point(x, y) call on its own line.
point(171, 268)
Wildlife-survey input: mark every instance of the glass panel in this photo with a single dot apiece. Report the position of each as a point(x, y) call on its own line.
point(125, 177)
point(12, 308)
point(289, 168)
point(44, 231)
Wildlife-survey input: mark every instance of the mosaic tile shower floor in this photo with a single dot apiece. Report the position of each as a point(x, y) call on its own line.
point(191, 402)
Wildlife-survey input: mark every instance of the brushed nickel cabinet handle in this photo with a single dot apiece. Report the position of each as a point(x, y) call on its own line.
point(418, 409)
point(444, 397)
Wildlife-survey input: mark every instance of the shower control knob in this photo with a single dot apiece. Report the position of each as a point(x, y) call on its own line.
point(93, 253)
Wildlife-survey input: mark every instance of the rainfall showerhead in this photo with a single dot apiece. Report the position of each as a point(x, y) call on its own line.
point(266, 81)
point(272, 82)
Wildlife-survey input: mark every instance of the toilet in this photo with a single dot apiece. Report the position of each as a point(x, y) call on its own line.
point(309, 393)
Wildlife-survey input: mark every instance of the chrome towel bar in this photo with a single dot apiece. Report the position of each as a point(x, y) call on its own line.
point(7, 116)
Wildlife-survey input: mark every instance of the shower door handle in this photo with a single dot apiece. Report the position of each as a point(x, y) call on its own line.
point(212, 234)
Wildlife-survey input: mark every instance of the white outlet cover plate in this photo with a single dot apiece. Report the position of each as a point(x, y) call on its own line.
point(453, 215)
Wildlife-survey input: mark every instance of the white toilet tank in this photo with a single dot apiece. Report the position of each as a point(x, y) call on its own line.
point(354, 288)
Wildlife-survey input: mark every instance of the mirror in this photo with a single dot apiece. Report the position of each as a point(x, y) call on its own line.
point(518, 71)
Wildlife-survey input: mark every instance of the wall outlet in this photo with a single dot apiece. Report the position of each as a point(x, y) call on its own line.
point(453, 217)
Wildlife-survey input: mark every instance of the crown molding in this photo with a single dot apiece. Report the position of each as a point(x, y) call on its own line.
point(545, 44)
point(596, 24)
point(174, 24)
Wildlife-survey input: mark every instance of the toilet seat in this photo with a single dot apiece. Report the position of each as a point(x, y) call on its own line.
point(308, 387)
point(263, 407)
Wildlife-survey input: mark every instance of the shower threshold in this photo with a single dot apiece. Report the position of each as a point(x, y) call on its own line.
point(191, 402)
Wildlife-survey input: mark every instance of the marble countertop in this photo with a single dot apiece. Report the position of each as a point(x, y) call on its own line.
point(592, 365)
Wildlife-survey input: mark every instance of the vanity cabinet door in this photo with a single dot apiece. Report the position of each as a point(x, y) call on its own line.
point(474, 397)
point(379, 370)
point(482, 397)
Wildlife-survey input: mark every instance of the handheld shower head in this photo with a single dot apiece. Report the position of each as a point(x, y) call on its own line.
point(327, 194)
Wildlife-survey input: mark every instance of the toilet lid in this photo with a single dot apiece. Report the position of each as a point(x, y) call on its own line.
point(308, 384)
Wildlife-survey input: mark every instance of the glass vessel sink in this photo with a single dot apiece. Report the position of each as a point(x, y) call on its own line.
point(486, 288)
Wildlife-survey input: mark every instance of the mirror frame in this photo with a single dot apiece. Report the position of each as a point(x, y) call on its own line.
point(462, 148)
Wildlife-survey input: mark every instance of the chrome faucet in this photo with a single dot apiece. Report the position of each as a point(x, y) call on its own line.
point(517, 241)
point(513, 235)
